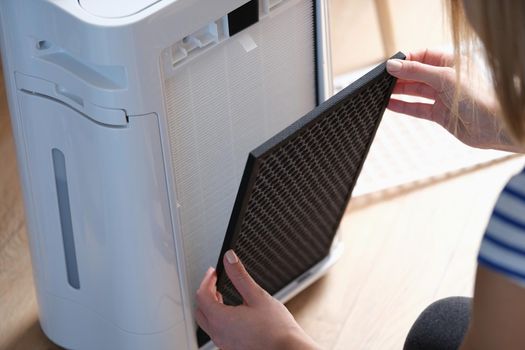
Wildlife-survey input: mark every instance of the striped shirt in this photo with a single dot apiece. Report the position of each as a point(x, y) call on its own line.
point(503, 245)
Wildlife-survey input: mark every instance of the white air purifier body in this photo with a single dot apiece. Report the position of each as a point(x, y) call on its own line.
point(133, 120)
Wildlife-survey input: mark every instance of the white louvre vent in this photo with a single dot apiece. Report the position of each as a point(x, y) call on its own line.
point(269, 6)
point(197, 41)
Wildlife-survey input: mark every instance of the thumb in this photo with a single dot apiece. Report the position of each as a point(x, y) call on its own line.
point(416, 71)
point(249, 290)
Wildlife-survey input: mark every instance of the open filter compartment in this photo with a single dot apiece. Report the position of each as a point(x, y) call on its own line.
point(296, 186)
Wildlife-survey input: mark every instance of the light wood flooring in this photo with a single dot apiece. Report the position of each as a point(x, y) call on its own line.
point(401, 254)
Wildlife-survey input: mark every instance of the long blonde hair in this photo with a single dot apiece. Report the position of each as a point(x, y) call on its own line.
point(500, 27)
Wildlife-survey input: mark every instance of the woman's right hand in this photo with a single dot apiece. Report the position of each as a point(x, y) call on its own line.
point(261, 322)
point(431, 74)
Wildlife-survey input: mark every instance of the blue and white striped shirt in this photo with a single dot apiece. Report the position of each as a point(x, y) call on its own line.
point(503, 245)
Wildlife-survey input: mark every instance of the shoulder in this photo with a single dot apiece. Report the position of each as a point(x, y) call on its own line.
point(503, 245)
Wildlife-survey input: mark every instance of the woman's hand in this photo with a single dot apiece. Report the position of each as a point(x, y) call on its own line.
point(261, 322)
point(430, 74)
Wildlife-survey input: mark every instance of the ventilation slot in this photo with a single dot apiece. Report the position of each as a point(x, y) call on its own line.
point(267, 6)
point(66, 224)
point(243, 17)
point(273, 3)
point(203, 38)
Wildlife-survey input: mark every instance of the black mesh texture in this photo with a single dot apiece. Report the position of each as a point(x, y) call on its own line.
point(297, 185)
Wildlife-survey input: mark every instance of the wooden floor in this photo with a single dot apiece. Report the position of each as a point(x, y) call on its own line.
point(401, 254)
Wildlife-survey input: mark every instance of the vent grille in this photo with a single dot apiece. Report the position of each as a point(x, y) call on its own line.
point(297, 185)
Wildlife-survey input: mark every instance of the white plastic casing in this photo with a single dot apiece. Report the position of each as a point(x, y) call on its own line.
point(115, 8)
point(154, 108)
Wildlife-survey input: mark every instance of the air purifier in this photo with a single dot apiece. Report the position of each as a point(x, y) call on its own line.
point(133, 120)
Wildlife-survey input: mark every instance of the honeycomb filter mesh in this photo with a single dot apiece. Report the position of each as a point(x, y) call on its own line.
point(297, 185)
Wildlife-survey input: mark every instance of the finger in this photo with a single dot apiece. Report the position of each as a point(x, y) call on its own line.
point(209, 281)
point(220, 299)
point(206, 298)
point(432, 57)
point(415, 109)
point(418, 72)
point(249, 290)
point(207, 288)
point(206, 278)
point(202, 321)
point(414, 89)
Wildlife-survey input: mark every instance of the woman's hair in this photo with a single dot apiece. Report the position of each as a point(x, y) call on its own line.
point(500, 27)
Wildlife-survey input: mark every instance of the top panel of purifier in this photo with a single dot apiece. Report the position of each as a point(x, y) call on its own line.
point(115, 8)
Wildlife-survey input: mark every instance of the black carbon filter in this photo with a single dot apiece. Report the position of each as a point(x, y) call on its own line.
point(296, 186)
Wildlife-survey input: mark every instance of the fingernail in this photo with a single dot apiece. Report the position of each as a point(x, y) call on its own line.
point(393, 65)
point(210, 270)
point(231, 257)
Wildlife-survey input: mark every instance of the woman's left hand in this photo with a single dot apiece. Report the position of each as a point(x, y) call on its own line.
point(261, 322)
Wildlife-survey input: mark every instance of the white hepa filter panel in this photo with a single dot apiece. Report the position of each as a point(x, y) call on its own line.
point(266, 73)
